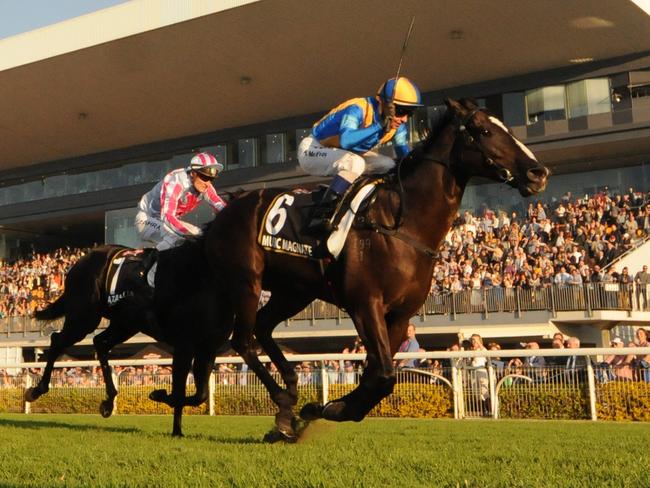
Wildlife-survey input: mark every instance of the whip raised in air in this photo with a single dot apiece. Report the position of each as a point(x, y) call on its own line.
point(401, 56)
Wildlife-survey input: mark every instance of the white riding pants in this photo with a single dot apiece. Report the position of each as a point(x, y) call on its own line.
point(320, 160)
point(154, 230)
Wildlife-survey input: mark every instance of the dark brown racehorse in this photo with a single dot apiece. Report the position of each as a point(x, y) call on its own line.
point(181, 314)
point(381, 278)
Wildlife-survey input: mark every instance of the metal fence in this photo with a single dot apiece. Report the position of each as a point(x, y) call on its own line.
point(589, 297)
point(447, 384)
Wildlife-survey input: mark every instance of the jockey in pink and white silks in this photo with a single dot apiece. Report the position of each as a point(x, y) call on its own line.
point(341, 143)
point(159, 211)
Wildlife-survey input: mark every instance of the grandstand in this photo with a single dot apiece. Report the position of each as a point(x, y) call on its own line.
point(124, 106)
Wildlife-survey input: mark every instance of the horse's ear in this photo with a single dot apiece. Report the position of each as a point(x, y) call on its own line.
point(456, 107)
point(469, 103)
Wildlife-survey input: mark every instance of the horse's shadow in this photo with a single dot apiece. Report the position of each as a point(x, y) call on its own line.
point(43, 424)
point(244, 441)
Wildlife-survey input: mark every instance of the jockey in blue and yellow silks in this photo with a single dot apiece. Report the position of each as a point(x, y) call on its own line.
point(342, 142)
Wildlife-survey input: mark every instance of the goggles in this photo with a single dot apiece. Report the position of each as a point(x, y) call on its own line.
point(402, 110)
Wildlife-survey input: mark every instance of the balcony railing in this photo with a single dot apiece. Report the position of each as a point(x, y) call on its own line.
point(589, 298)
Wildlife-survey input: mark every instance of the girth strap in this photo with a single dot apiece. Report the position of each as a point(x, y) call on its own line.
point(403, 237)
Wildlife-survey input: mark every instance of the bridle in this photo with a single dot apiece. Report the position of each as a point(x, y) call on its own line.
point(504, 174)
point(471, 142)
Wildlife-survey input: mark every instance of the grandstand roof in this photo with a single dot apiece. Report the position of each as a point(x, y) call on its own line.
point(147, 70)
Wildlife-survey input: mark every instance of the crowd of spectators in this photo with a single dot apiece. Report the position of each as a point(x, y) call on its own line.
point(566, 242)
point(27, 284)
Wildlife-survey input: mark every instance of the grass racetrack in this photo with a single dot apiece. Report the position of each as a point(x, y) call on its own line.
point(76, 450)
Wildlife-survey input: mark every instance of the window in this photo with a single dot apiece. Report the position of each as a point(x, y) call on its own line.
point(546, 103)
point(274, 148)
point(640, 91)
point(514, 109)
point(246, 152)
point(588, 97)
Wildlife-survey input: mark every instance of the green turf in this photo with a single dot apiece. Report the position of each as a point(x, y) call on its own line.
point(74, 450)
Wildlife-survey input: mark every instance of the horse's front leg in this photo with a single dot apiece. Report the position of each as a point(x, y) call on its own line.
point(282, 305)
point(378, 379)
point(181, 365)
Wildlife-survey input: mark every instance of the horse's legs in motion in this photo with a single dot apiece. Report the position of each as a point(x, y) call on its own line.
point(378, 379)
point(283, 304)
point(75, 328)
point(180, 369)
point(116, 333)
point(243, 343)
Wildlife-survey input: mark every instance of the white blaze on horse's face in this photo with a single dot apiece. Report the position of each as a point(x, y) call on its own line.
point(521, 145)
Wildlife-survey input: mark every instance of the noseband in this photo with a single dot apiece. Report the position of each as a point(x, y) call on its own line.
point(504, 174)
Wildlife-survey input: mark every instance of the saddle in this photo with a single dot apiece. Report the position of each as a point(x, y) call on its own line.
point(127, 275)
point(281, 229)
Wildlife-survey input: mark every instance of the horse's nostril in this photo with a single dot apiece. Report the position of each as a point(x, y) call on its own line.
point(537, 174)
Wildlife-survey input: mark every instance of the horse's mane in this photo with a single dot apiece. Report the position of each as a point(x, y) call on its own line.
point(411, 160)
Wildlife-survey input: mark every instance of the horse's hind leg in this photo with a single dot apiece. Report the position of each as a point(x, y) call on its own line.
point(74, 329)
point(116, 333)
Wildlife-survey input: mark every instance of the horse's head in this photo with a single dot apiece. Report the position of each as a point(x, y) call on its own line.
point(487, 148)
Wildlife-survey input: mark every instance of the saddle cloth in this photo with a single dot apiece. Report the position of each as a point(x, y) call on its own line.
point(125, 275)
point(281, 227)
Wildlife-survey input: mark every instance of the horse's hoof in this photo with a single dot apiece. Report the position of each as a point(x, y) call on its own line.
point(334, 411)
point(299, 425)
point(158, 396)
point(178, 435)
point(311, 411)
point(31, 395)
point(277, 435)
point(106, 408)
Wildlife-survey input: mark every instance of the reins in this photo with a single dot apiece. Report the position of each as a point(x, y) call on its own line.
point(393, 231)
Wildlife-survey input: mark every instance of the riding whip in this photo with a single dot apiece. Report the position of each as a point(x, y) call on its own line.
point(401, 57)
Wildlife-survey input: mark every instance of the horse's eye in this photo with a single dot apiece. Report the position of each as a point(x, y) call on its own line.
point(485, 132)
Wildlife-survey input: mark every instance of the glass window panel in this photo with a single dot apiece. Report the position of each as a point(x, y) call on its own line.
point(274, 149)
point(514, 109)
point(599, 96)
point(547, 103)
point(588, 97)
point(246, 152)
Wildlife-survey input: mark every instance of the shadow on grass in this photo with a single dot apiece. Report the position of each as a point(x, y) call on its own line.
point(48, 424)
point(247, 441)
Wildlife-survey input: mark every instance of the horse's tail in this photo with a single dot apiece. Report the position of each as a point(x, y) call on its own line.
point(53, 311)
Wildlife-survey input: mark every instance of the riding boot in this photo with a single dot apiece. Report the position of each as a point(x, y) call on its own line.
point(320, 220)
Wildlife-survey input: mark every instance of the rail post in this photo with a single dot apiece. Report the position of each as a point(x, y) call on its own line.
point(457, 390)
point(453, 305)
point(493, 389)
point(587, 289)
point(27, 383)
point(518, 302)
point(553, 311)
point(211, 390)
point(325, 382)
point(592, 389)
point(117, 387)
point(485, 302)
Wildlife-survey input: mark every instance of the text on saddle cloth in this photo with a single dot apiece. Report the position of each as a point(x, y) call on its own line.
point(287, 214)
point(124, 275)
point(281, 226)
